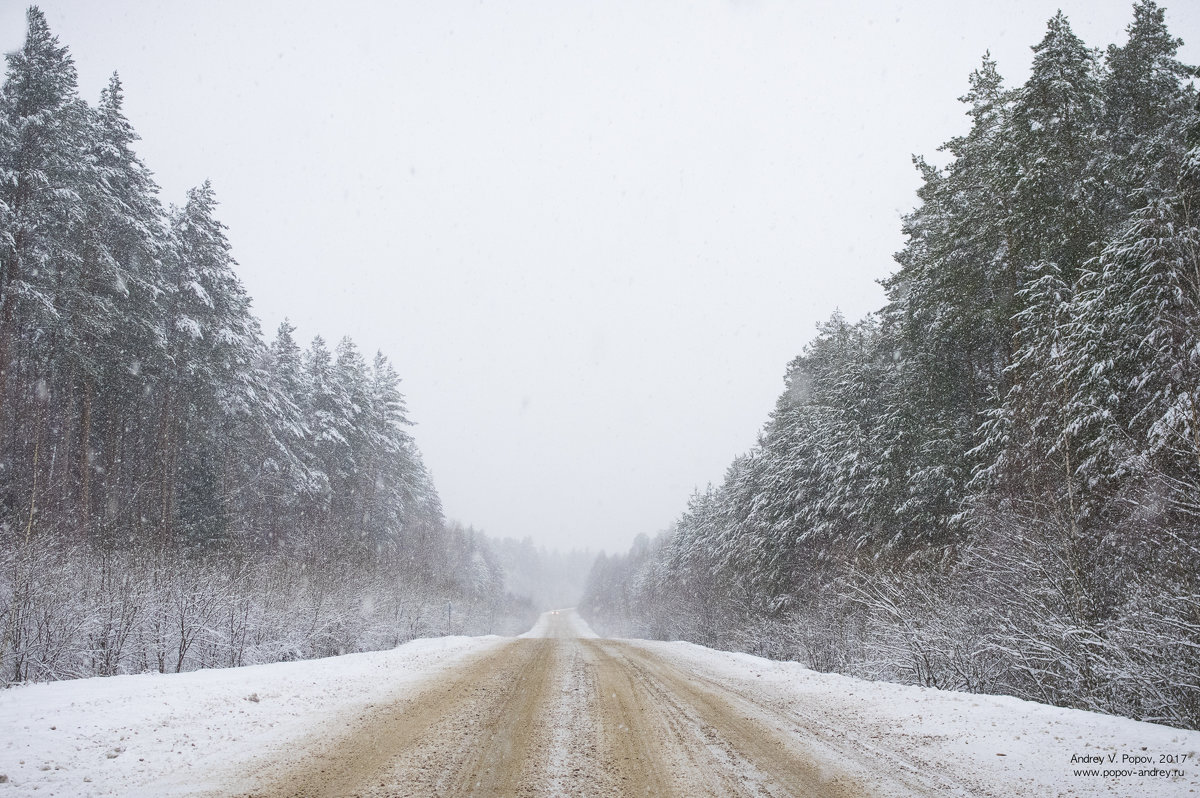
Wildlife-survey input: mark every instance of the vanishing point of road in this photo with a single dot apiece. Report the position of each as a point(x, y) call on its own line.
point(581, 717)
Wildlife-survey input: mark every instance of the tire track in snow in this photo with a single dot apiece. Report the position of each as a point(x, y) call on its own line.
point(714, 748)
point(563, 717)
point(467, 733)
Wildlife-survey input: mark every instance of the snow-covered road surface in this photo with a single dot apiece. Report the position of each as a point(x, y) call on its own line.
point(558, 712)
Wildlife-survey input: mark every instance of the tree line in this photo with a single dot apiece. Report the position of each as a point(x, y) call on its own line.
point(176, 491)
point(993, 482)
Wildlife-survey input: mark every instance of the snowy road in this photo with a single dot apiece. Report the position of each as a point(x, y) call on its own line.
point(559, 712)
point(562, 715)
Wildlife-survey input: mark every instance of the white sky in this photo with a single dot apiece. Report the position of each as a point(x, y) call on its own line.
point(589, 235)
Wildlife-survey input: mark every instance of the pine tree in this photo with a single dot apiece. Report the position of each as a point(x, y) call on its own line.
point(321, 414)
point(121, 241)
point(948, 298)
point(1052, 152)
point(45, 169)
point(393, 479)
point(1139, 328)
point(349, 472)
point(1027, 458)
point(214, 343)
point(286, 364)
point(285, 457)
point(1148, 105)
point(945, 335)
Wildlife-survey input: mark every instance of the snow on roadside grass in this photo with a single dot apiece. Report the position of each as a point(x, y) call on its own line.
point(995, 745)
point(156, 734)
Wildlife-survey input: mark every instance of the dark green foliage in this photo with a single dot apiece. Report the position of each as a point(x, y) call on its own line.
point(992, 484)
point(142, 413)
point(139, 403)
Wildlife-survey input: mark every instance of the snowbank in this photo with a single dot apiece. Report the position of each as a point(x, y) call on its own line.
point(995, 744)
point(156, 734)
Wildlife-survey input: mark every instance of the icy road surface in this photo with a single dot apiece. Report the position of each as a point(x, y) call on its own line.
point(559, 712)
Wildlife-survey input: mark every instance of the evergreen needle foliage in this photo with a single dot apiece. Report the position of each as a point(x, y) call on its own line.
point(992, 483)
point(175, 492)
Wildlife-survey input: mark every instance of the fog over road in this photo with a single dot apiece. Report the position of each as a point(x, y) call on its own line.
point(560, 714)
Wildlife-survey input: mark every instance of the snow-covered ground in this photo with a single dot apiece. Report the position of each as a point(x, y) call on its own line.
point(180, 734)
point(994, 745)
point(165, 734)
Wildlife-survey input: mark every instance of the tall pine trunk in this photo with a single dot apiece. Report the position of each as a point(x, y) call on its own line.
point(167, 470)
point(7, 325)
point(85, 466)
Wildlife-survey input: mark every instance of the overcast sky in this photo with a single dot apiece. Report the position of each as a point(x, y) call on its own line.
point(590, 235)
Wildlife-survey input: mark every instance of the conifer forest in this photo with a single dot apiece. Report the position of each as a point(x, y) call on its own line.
point(176, 491)
point(992, 483)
